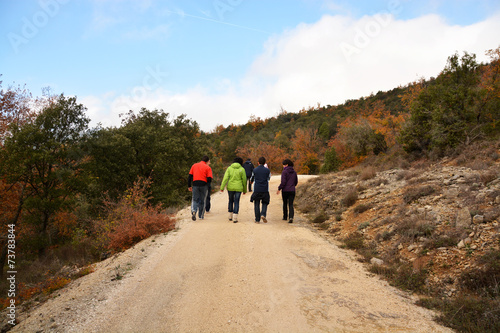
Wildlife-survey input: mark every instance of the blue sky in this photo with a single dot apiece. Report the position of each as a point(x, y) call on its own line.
point(223, 61)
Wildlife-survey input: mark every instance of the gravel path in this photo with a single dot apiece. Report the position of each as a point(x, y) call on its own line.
point(218, 276)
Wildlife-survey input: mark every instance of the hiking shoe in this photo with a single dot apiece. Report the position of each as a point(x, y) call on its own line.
point(193, 216)
point(263, 219)
point(290, 221)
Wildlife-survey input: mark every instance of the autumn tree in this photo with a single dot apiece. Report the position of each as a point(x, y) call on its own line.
point(307, 149)
point(274, 155)
point(356, 139)
point(45, 156)
point(14, 110)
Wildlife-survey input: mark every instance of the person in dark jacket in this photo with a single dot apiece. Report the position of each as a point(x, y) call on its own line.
point(248, 166)
point(261, 176)
point(289, 180)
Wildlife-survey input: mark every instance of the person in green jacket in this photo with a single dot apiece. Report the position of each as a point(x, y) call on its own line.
point(236, 181)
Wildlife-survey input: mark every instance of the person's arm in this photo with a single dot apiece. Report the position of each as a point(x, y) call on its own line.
point(283, 182)
point(190, 182)
point(244, 181)
point(224, 180)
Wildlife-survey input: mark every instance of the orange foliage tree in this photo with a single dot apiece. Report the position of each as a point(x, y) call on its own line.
point(274, 155)
point(307, 149)
point(385, 123)
point(14, 110)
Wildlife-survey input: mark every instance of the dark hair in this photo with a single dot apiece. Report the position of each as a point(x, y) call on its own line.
point(262, 160)
point(205, 158)
point(288, 162)
point(238, 160)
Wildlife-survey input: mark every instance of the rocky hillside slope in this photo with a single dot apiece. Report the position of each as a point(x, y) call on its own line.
point(438, 218)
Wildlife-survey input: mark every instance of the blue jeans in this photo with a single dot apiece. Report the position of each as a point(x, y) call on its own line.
point(198, 202)
point(234, 202)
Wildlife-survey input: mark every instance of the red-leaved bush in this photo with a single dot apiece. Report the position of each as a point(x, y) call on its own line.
point(131, 219)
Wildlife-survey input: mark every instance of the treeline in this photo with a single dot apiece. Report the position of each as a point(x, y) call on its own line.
point(425, 118)
point(64, 185)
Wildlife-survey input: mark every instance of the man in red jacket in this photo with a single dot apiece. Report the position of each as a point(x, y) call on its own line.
point(199, 180)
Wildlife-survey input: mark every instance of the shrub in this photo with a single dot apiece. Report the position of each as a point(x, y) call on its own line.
point(361, 208)
point(413, 228)
point(354, 241)
point(321, 217)
point(364, 225)
point(403, 276)
point(384, 236)
point(484, 281)
point(131, 219)
point(466, 313)
point(414, 193)
point(488, 177)
point(350, 198)
point(367, 173)
point(446, 240)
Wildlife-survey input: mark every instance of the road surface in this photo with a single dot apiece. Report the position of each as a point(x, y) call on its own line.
point(217, 276)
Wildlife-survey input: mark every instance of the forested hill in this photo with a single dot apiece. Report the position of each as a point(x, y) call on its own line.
point(304, 136)
point(424, 118)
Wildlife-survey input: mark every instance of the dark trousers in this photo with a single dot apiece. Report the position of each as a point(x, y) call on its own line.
point(257, 210)
point(288, 198)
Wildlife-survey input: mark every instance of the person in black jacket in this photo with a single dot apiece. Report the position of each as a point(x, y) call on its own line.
point(248, 166)
point(261, 176)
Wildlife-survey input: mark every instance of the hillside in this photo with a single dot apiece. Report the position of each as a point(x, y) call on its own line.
point(428, 226)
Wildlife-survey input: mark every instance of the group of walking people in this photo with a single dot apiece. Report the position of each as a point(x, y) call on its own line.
point(239, 178)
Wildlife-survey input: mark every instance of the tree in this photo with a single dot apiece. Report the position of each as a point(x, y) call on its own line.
point(451, 110)
point(44, 155)
point(274, 155)
point(332, 161)
point(306, 150)
point(324, 131)
point(148, 145)
point(14, 109)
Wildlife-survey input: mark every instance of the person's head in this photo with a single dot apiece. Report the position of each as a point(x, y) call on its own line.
point(205, 158)
point(287, 162)
point(262, 160)
point(238, 160)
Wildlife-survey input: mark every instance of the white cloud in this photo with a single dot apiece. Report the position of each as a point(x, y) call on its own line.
point(328, 62)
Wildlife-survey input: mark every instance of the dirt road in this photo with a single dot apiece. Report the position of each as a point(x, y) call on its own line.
point(218, 276)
